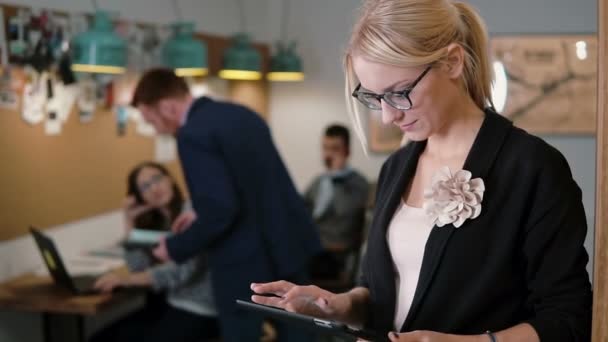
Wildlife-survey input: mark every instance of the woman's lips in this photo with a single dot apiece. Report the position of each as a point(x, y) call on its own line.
point(408, 126)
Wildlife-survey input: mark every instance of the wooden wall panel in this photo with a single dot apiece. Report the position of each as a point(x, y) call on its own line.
point(600, 274)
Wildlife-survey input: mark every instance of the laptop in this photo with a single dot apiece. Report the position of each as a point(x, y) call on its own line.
point(79, 285)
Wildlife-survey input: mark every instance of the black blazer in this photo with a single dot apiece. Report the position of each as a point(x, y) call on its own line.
point(521, 260)
point(252, 221)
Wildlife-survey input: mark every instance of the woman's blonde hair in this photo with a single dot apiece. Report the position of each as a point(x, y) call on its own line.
point(413, 33)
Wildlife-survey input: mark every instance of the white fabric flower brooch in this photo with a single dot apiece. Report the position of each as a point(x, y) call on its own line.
point(453, 198)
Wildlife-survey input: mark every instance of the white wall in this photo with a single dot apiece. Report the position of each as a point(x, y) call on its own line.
point(299, 112)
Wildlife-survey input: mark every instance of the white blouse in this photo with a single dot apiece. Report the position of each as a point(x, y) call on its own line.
point(407, 235)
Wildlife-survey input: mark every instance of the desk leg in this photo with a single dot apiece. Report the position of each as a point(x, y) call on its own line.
point(46, 327)
point(61, 328)
point(80, 330)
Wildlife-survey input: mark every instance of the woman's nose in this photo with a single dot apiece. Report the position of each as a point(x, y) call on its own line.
point(389, 113)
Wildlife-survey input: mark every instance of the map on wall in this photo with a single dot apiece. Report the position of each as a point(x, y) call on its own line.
point(547, 83)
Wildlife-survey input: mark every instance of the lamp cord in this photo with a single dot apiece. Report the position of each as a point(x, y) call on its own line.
point(241, 6)
point(284, 21)
point(177, 10)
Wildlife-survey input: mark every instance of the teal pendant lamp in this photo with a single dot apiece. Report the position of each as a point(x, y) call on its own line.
point(241, 60)
point(285, 65)
point(184, 53)
point(99, 50)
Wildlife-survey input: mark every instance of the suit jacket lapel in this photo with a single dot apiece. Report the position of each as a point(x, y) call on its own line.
point(480, 159)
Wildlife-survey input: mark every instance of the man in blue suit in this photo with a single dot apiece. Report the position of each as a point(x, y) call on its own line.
point(251, 221)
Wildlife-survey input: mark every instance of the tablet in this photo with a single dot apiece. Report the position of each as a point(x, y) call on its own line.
point(313, 323)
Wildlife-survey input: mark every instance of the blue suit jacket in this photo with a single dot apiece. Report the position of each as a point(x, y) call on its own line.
point(251, 220)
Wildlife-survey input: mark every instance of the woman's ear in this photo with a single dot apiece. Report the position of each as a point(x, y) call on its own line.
point(454, 61)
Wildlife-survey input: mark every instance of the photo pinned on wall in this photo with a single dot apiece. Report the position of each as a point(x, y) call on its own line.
point(61, 99)
point(52, 124)
point(123, 88)
point(3, 40)
point(37, 38)
point(144, 42)
point(11, 86)
point(87, 100)
point(34, 98)
point(122, 119)
point(18, 35)
point(9, 99)
point(47, 99)
point(546, 84)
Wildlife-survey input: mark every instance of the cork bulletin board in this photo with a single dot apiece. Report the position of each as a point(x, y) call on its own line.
point(50, 180)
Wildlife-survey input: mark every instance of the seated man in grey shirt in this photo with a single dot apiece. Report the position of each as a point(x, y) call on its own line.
point(337, 199)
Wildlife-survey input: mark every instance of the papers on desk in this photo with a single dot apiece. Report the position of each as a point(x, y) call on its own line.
point(115, 252)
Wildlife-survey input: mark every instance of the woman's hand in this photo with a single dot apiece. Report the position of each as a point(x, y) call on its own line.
point(308, 300)
point(110, 281)
point(132, 209)
point(183, 221)
point(161, 253)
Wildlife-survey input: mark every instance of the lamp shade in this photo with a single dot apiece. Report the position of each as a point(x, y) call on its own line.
point(241, 60)
point(99, 50)
point(286, 65)
point(184, 53)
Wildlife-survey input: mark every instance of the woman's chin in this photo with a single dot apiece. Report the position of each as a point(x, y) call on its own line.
point(157, 204)
point(414, 136)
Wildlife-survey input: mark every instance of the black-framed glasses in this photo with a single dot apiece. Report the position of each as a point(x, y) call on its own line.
point(145, 186)
point(396, 99)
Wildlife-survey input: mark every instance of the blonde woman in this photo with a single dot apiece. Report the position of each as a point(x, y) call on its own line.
point(479, 227)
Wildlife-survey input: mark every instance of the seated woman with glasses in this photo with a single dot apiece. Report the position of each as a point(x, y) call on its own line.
point(479, 228)
point(187, 312)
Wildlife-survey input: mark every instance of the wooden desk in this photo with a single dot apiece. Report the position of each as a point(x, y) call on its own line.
point(33, 293)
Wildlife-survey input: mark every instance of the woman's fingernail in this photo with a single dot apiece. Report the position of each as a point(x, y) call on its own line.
point(395, 334)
